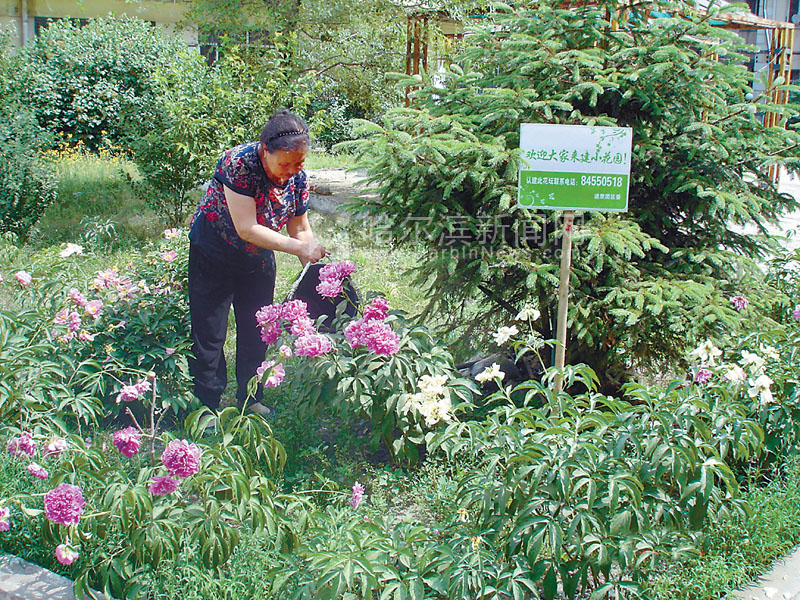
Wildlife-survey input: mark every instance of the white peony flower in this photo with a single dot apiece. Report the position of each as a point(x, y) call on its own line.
point(435, 410)
point(760, 388)
point(71, 249)
point(490, 373)
point(735, 374)
point(706, 352)
point(528, 312)
point(770, 352)
point(502, 335)
point(752, 361)
point(432, 385)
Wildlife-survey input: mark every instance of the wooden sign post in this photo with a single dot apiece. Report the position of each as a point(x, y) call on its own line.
point(563, 294)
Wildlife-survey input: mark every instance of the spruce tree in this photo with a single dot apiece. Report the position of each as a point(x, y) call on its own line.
point(645, 283)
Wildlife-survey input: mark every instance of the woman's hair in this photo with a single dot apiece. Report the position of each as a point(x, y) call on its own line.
point(285, 131)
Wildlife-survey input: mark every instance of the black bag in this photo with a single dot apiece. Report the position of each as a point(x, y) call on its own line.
point(305, 288)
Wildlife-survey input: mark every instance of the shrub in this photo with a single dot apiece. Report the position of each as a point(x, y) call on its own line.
point(199, 112)
point(27, 185)
point(376, 366)
point(81, 81)
point(74, 361)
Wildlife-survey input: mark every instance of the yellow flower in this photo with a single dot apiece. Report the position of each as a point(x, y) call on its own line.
point(476, 542)
point(463, 515)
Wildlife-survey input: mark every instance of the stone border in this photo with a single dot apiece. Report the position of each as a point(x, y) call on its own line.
point(21, 580)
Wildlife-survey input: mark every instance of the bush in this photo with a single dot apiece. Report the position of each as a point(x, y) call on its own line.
point(329, 118)
point(27, 185)
point(199, 112)
point(82, 81)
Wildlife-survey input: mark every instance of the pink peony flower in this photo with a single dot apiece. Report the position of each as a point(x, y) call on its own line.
point(5, 515)
point(337, 271)
point(38, 471)
point(23, 277)
point(352, 333)
point(169, 256)
point(93, 308)
point(128, 393)
point(330, 288)
point(380, 337)
point(66, 555)
point(312, 344)
point(329, 272)
point(143, 386)
point(61, 318)
point(285, 351)
point(345, 268)
point(703, 376)
point(64, 504)
point(303, 326)
point(740, 302)
point(377, 309)
point(73, 322)
point(85, 336)
point(127, 441)
point(268, 314)
point(276, 373)
point(171, 233)
point(22, 445)
point(294, 310)
point(358, 495)
point(162, 486)
point(181, 458)
point(271, 333)
point(169, 351)
point(55, 447)
point(106, 279)
point(77, 298)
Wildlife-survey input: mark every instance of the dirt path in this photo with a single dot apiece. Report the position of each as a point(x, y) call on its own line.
point(330, 188)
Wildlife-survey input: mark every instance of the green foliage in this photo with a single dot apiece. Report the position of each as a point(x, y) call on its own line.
point(529, 493)
point(130, 531)
point(446, 173)
point(200, 111)
point(737, 550)
point(27, 186)
point(39, 379)
point(104, 328)
point(80, 82)
point(592, 491)
point(347, 47)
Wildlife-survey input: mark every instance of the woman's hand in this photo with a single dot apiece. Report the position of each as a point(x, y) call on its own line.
point(310, 251)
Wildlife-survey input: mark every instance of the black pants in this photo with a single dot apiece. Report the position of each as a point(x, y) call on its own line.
point(213, 286)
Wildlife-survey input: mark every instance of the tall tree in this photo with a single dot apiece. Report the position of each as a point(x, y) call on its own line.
point(644, 283)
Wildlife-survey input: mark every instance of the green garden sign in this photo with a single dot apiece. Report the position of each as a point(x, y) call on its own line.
point(569, 168)
point(574, 167)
